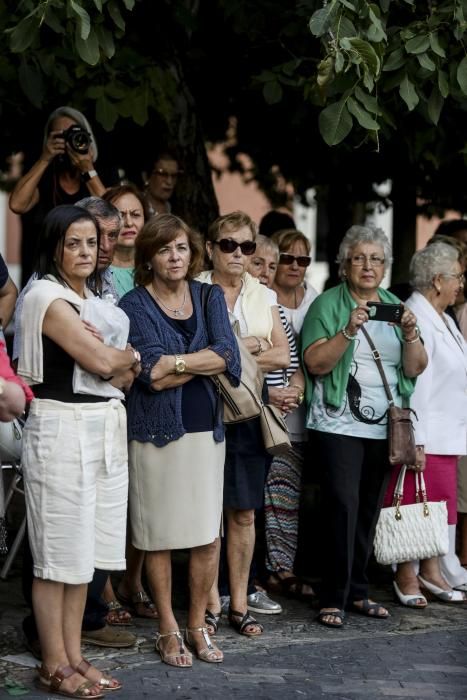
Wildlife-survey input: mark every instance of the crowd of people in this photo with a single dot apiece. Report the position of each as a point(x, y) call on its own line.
point(128, 317)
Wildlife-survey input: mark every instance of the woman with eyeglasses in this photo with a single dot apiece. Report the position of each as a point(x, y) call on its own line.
point(440, 401)
point(347, 410)
point(230, 245)
point(291, 259)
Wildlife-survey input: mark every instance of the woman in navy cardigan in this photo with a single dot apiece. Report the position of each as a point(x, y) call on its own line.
point(175, 429)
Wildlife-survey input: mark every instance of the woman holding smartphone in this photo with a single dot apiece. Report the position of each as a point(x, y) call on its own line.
point(347, 407)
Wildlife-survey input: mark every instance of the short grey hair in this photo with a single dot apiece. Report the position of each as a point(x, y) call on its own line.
point(265, 242)
point(77, 117)
point(100, 208)
point(436, 259)
point(362, 234)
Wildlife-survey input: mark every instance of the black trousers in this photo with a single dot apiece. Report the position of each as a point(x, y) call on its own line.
point(354, 473)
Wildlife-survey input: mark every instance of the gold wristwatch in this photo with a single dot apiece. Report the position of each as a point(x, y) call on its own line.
point(180, 365)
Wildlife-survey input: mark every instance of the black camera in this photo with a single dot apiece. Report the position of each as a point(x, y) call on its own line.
point(78, 138)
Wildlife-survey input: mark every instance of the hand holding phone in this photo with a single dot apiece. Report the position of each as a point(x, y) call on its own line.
point(379, 311)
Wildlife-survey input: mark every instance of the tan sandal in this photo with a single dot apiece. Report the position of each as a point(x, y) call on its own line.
point(171, 659)
point(104, 682)
point(208, 652)
point(51, 682)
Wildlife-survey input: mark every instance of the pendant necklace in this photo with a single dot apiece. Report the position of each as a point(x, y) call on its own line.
point(175, 312)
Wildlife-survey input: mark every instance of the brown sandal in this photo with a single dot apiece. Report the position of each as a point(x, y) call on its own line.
point(51, 682)
point(104, 682)
point(140, 604)
point(117, 615)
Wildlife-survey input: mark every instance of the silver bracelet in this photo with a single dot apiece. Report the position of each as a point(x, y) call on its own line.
point(347, 335)
point(414, 340)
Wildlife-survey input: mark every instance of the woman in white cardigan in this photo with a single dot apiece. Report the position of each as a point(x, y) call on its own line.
point(440, 402)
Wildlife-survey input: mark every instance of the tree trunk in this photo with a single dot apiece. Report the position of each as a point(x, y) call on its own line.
point(404, 198)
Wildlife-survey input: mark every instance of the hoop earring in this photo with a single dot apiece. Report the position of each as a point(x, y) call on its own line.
point(148, 266)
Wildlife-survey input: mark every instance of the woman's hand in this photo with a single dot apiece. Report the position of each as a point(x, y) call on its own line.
point(163, 367)
point(420, 459)
point(54, 146)
point(409, 325)
point(82, 161)
point(285, 398)
point(93, 330)
point(357, 318)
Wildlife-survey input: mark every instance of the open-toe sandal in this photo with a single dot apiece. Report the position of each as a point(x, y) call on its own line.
point(212, 621)
point(210, 652)
point(117, 615)
point(51, 683)
point(240, 621)
point(370, 609)
point(290, 587)
point(338, 614)
point(139, 603)
point(171, 659)
point(104, 682)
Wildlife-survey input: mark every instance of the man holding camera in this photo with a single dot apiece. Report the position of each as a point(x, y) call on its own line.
point(64, 174)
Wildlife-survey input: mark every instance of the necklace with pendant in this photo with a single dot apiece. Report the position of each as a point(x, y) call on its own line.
point(176, 312)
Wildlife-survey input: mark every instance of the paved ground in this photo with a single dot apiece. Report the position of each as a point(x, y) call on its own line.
point(414, 654)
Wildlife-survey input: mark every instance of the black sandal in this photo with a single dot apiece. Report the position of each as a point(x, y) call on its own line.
point(240, 622)
point(212, 620)
point(339, 614)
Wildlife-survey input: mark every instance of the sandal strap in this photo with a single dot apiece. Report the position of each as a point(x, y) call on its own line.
point(141, 597)
point(205, 634)
point(174, 633)
point(212, 619)
point(245, 620)
point(114, 605)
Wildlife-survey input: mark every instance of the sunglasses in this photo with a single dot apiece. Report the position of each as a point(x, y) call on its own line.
point(301, 260)
point(227, 245)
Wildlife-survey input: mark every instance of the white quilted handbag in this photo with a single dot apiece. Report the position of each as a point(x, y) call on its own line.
point(411, 532)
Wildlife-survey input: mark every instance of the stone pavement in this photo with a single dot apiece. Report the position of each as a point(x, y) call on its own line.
point(414, 654)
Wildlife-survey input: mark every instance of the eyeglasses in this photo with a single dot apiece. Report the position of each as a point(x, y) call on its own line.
point(301, 260)
point(459, 277)
point(227, 245)
point(360, 260)
point(166, 175)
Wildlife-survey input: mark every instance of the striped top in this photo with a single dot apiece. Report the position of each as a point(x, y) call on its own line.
point(280, 377)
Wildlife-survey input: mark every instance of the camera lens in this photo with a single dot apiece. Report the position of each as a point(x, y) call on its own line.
point(78, 138)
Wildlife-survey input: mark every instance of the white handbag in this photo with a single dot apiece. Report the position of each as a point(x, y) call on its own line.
point(411, 532)
point(11, 438)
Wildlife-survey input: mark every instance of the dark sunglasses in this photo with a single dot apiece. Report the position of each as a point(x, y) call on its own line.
point(302, 260)
point(227, 245)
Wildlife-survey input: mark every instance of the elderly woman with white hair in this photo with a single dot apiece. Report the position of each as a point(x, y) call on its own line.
point(63, 174)
point(347, 410)
point(440, 401)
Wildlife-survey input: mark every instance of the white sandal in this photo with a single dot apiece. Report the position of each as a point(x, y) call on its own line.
point(410, 600)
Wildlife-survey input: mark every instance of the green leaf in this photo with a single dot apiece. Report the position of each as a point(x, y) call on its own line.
point(376, 31)
point(436, 46)
point(462, 75)
point(344, 27)
point(31, 83)
point(348, 4)
point(83, 17)
point(368, 101)
point(140, 107)
point(98, 4)
point(106, 113)
point(24, 34)
point(418, 44)
point(335, 122)
point(365, 53)
point(272, 92)
point(362, 116)
point(114, 12)
point(426, 62)
point(106, 40)
point(321, 19)
point(435, 105)
point(339, 61)
point(394, 61)
point(52, 21)
point(325, 71)
point(88, 50)
point(129, 4)
point(95, 91)
point(116, 90)
point(408, 93)
point(443, 83)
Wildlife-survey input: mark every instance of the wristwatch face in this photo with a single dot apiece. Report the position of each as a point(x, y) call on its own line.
point(179, 365)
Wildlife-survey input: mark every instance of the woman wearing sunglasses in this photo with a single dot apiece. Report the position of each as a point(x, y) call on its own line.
point(230, 245)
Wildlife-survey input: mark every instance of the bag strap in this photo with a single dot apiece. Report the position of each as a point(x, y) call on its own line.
point(379, 364)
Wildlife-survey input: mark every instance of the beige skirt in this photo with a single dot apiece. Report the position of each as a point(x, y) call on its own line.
point(176, 492)
point(462, 485)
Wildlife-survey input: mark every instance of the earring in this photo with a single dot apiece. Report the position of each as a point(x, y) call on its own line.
point(148, 266)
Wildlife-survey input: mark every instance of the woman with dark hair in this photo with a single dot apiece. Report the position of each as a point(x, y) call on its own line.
point(74, 449)
point(175, 431)
point(134, 211)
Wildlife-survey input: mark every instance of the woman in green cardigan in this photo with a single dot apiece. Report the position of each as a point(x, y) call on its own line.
point(347, 408)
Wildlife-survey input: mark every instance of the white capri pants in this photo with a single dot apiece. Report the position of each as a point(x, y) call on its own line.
point(75, 466)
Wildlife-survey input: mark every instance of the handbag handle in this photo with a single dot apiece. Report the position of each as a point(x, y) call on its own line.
point(379, 364)
point(420, 492)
